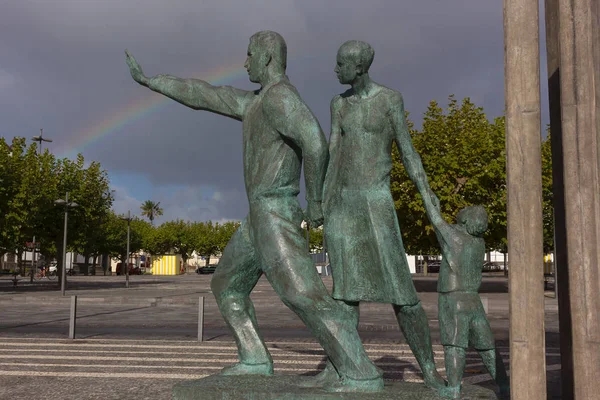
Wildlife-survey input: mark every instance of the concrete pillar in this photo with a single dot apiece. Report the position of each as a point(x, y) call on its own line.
point(560, 248)
point(580, 103)
point(524, 198)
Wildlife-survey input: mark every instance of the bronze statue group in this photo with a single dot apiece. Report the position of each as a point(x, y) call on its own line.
point(347, 191)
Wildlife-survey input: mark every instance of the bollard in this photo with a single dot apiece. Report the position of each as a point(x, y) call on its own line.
point(72, 317)
point(201, 319)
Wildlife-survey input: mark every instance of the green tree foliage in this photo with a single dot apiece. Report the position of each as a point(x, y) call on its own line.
point(210, 239)
point(464, 157)
point(31, 182)
point(114, 232)
point(315, 240)
point(151, 210)
point(547, 195)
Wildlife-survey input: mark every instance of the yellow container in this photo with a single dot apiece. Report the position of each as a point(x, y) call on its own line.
point(166, 265)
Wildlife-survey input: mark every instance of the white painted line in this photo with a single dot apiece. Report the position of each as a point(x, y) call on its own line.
point(402, 349)
point(74, 374)
point(275, 356)
point(193, 343)
point(130, 375)
point(176, 360)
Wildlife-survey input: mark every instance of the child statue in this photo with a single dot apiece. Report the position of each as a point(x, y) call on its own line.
point(462, 318)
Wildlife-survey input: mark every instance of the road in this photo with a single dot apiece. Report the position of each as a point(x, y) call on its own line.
point(136, 343)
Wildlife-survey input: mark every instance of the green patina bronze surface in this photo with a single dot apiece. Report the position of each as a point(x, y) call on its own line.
point(278, 132)
point(461, 315)
point(363, 238)
point(282, 387)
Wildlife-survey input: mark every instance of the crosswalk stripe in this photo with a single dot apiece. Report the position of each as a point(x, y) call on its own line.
point(134, 375)
point(34, 340)
point(167, 359)
point(401, 349)
point(204, 367)
point(408, 356)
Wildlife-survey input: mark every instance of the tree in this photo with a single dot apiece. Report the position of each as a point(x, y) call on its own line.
point(224, 233)
point(547, 195)
point(206, 240)
point(114, 230)
point(151, 210)
point(177, 237)
point(464, 157)
point(315, 240)
point(95, 198)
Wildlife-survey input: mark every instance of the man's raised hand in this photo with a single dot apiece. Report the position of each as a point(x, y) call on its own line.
point(135, 69)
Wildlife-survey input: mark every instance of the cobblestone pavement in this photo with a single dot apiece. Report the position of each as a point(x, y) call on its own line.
point(136, 343)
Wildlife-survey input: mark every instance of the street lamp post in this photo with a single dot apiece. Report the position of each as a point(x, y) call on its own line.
point(128, 219)
point(40, 139)
point(67, 204)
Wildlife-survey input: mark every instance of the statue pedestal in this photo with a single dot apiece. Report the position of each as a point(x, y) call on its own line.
point(285, 387)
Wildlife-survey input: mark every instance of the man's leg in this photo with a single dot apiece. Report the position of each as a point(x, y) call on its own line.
point(294, 277)
point(330, 375)
point(235, 277)
point(414, 326)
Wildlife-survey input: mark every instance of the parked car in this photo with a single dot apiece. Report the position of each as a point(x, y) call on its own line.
point(433, 266)
point(206, 270)
point(133, 270)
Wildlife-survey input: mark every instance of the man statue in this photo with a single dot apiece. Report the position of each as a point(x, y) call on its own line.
point(278, 131)
point(461, 314)
point(367, 255)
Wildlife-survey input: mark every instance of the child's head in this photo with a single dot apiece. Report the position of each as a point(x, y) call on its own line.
point(474, 219)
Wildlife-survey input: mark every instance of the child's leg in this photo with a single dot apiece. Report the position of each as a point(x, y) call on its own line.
point(495, 366)
point(455, 358)
point(483, 340)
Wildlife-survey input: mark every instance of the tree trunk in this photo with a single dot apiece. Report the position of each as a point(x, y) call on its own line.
point(19, 260)
point(86, 265)
point(59, 266)
point(207, 261)
point(94, 262)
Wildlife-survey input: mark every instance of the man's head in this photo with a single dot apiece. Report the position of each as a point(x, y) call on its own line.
point(474, 219)
point(267, 50)
point(353, 59)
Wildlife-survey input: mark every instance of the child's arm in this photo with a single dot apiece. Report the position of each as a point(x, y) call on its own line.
point(443, 230)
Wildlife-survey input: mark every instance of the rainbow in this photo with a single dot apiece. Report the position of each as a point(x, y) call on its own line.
point(139, 108)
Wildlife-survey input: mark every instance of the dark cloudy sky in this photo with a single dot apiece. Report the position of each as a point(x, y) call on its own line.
point(62, 68)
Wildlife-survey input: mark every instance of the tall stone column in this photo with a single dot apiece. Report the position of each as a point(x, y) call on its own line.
point(560, 244)
point(580, 106)
point(524, 191)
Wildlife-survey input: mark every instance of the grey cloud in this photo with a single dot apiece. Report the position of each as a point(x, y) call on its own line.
point(66, 64)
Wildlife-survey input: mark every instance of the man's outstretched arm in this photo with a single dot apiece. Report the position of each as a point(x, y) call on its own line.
point(193, 93)
point(292, 118)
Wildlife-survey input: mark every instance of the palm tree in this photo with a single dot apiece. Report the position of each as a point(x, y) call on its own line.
point(151, 210)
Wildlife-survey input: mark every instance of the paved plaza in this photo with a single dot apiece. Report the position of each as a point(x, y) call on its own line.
point(136, 343)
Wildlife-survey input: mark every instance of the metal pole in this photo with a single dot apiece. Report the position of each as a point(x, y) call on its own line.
point(63, 279)
point(127, 258)
point(201, 319)
point(72, 317)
